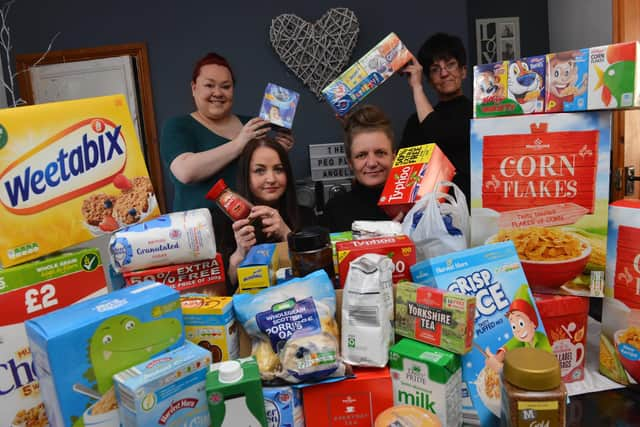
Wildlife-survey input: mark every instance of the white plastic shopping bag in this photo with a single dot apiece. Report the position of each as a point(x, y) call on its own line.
point(438, 223)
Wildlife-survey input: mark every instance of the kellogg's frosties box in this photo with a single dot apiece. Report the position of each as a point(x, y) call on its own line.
point(69, 171)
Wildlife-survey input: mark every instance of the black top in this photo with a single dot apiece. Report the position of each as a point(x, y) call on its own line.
point(361, 203)
point(448, 126)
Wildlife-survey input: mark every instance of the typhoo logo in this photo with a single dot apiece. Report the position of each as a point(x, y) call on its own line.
point(75, 161)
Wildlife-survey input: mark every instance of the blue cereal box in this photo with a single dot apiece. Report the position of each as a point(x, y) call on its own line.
point(506, 315)
point(168, 390)
point(283, 406)
point(279, 105)
point(525, 83)
point(567, 77)
point(77, 350)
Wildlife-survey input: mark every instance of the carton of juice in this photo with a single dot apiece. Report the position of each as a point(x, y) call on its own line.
point(69, 171)
point(416, 171)
point(620, 337)
point(27, 291)
point(427, 377)
point(210, 322)
point(525, 83)
point(234, 394)
point(165, 390)
point(567, 81)
point(614, 76)
point(82, 346)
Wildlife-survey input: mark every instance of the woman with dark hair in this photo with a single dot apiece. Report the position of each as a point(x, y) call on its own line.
point(369, 147)
point(265, 178)
point(202, 147)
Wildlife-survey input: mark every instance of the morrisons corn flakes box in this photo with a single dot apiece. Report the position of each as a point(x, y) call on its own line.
point(77, 350)
point(69, 171)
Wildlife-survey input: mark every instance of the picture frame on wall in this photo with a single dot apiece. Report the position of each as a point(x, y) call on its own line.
point(497, 39)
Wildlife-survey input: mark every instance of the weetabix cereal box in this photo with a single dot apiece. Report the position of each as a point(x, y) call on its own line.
point(525, 83)
point(545, 181)
point(620, 337)
point(69, 171)
point(614, 76)
point(490, 91)
point(506, 315)
point(369, 72)
point(567, 81)
point(27, 291)
point(77, 350)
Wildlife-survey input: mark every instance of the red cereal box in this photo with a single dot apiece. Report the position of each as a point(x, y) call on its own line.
point(207, 276)
point(400, 249)
point(565, 320)
point(416, 171)
point(355, 402)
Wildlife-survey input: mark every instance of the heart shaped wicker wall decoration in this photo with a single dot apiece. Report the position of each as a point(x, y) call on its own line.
point(315, 52)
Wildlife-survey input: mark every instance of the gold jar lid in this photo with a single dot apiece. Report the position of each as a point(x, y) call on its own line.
point(531, 369)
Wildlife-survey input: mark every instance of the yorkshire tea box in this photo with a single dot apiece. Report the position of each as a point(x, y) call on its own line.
point(360, 79)
point(567, 81)
point(210, 322)
point(69, 171)
point(258, 269)
point(506, 315)
point(434, 316)
point(166, 390)
point(543, 183)
point(614, 76)
point(427, 377)
point(77, 350)
point(620, 337)
point(525, 83)
point(27, 291)
point(416, 171)
point(490, 91)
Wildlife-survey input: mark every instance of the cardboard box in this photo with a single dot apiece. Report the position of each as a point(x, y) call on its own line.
point(614, 76)
point(210, 322)
point(400, 249)
point(490, 91)
point(69, 171)
point(620, 336)
point(506, 315)
point(567, 81)
point(258, 269)
point(361, 78)
point(354, 402)
point(85, 344)
point(27, 291)
point(416, 171)
point(436, 317)
point(279, 105)
point(166, 390)
point(545, 178)
point(198, 276)
point(427, 377)
point(525, 83)
point(283, 406)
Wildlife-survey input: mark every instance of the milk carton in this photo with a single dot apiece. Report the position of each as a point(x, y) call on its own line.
point(27, 291)
point(210, 322)
point(283, 407)
point(234, 394)
point(166, 390)
point(428, 377)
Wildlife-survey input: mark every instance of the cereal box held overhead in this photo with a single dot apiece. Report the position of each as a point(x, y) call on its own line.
point(69, 171)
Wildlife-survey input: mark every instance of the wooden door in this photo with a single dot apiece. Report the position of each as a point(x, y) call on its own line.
point(626, 124)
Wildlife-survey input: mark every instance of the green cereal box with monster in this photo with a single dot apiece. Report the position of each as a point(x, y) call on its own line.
point(506, 315)
point(77, 350)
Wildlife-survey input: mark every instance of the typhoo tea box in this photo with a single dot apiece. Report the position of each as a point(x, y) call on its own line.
point(69, 171)
point(545, 181)
point(620, 337)
point(506, 315)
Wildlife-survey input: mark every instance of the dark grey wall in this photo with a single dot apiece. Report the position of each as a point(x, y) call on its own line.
point(178, 32)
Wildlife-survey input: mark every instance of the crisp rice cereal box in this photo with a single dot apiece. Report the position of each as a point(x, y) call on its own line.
point(27, 291)
point(506, 315)
point(82, 346)
point(69, 171)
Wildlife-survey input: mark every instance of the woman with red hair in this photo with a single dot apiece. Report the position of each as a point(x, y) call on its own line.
point(202, 147)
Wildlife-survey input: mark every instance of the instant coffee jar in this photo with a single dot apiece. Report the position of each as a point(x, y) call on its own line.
point(310, 250)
